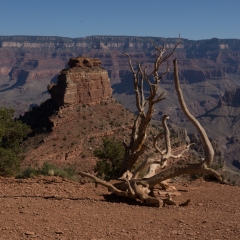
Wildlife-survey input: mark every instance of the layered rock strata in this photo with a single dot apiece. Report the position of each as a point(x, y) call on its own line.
point(84, 82)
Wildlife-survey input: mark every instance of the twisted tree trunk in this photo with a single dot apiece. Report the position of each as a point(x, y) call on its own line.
point(140, 188)
point(202, 167)
point(144, 104)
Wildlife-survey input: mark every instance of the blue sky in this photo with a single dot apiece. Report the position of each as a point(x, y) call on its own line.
point(193, 19)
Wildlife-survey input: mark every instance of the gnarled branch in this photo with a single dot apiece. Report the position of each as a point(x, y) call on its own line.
point(144, 104)
point(202, 167)
point(204, 137)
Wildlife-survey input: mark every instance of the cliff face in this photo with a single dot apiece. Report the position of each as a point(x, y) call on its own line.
point(84, 82)
point(209, 72)
point(204, 59)
point(207, 69)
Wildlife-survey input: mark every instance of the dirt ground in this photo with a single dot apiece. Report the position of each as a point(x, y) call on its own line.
point(54, 208)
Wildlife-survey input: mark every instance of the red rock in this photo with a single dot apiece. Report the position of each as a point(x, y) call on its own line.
point(84, 82)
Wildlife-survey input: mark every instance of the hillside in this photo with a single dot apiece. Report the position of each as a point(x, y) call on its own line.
point(67, 128)
point(208, 68)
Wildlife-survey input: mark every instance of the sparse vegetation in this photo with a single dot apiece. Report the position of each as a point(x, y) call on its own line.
point(48, 169)
point(111, 156)
point(12, 133)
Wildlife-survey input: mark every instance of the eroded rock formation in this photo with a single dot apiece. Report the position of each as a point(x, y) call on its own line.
point(84, 82)
point(231, 98)
point(207, 69)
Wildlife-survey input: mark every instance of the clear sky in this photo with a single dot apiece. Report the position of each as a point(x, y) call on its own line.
point(193, 19)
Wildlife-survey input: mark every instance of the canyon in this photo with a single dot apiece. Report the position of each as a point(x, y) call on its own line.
point(209, 71)
point(71, 111)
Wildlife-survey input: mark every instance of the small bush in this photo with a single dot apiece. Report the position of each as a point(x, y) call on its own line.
point(12, 133)
point(9, 162)
point(216, 166)
point(195, 176)
point(48, 169)
point(111, 156)
point(28, 172)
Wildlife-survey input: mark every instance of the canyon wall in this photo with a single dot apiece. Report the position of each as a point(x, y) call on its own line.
point(207, 69)
point(28, 64)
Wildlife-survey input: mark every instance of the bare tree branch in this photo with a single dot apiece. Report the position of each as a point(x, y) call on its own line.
point(178, 170)
point(155, 143)
point(140, 188)
point(204, 137)
point(182, 152)
point(160, 161)
point(105, 184)
point(202, 167)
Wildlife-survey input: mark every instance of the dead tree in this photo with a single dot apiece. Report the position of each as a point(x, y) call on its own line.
point(140, 189)
point(160, 160)
point(145, 104)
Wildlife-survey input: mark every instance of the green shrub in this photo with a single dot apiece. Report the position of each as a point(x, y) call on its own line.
point(111, 156)
point(216, 166)
point(9, 162)
point(12, 133)
point(28, 172)
point(48, 169)
point(195, 176)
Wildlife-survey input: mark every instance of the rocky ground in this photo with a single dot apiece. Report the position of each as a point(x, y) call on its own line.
point(54, 208)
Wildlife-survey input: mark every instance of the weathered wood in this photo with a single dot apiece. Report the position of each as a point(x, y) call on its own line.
point(144, 104)
point(141, 188)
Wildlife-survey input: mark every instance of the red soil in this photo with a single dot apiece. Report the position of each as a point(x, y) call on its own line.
point(54, 208)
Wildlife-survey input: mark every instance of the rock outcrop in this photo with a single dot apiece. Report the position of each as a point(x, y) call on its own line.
point(231, 98)
point(84, 82)
point(179, 132)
